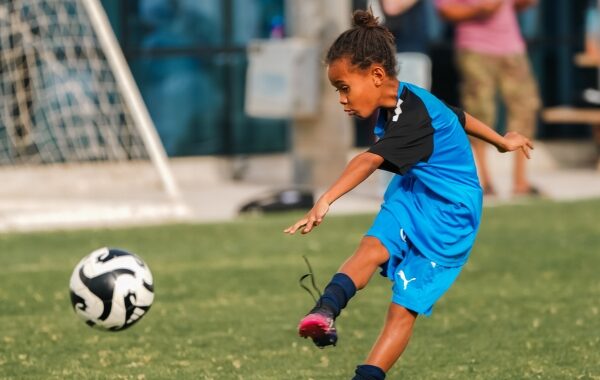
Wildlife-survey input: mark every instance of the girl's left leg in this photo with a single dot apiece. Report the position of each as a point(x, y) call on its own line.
point(394, 337)
point(390, 344)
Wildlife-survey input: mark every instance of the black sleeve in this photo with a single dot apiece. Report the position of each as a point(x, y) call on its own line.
point(408, 137)
point(459, 113)
point(402, 146)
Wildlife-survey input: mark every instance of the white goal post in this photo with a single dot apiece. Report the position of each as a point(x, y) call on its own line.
point(131, 94)
point(68, 98)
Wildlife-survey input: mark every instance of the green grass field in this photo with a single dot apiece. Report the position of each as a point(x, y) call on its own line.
point(527, 306)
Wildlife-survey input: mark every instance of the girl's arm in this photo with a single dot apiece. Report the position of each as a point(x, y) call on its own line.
point(510, 142)
point(357, 170)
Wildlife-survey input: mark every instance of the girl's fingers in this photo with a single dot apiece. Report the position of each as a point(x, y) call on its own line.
point(292, 229)
point(312, 223)
point(308, 227)
point(526, 151)
point(306, 224)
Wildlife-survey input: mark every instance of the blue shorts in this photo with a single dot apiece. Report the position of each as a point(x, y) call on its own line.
point(418, 281)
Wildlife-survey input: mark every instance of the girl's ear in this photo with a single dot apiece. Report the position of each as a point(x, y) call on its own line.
point(378, 74)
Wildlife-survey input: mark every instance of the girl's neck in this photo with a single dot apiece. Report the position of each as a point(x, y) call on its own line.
point(389, 94)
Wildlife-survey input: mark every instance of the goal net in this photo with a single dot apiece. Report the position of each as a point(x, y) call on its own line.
point(67, 99)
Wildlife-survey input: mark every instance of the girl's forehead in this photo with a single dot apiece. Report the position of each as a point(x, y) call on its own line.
point(342, 64)
point(341, 68)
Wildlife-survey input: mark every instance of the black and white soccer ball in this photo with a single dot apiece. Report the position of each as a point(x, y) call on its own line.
point(111, 289)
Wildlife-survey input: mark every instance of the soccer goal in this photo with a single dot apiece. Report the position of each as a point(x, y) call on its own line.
point(75, 135)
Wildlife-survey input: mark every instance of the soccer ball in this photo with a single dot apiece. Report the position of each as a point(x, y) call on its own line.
point(111, 289)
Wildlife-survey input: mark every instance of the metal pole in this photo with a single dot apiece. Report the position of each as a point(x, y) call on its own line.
point(320, 145)
point(132, 96)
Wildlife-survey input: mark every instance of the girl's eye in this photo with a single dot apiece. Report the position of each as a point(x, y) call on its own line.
point(343, 89)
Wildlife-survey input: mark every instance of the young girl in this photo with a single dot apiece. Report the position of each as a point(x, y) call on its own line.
point(427, 224)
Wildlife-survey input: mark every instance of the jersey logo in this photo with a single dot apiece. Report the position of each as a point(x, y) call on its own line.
point(403, 278)
point(398, 110)
point(402, 235)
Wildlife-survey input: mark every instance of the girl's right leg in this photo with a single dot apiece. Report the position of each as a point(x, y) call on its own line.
point(361, 266)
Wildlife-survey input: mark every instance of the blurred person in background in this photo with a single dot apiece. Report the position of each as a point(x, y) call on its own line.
point(491, 57)
point(407, 21)
point(414, 24)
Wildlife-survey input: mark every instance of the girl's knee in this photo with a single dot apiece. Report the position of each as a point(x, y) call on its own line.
point(401, 315)
point(374, 250)
point(370, 255)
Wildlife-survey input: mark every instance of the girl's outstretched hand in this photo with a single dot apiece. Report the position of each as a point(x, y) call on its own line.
point(312, 219)
point(515, 141)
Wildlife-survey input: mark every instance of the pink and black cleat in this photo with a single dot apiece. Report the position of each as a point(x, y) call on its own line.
point(319, 323)
point(320, 327)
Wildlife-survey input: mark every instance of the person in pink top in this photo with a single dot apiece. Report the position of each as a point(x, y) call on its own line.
point(492, 58)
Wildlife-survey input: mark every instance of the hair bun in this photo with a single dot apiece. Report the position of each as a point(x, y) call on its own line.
point(362, 18)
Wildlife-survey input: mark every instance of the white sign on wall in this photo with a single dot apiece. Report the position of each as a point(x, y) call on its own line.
point(283, 78)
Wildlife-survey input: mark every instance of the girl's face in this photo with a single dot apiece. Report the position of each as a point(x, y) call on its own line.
point(360, 90)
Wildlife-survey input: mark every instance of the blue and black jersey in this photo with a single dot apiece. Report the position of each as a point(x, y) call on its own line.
point(435, 195)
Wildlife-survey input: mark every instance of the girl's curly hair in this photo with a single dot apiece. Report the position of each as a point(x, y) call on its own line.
point(367, 42)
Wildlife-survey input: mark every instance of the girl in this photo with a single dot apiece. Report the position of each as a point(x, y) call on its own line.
point(427, 224)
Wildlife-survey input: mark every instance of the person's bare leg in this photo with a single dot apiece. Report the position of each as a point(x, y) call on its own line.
point(596, 132)
point(369, 255)
point(521, 183)
point(393, 338)
point(479, 150)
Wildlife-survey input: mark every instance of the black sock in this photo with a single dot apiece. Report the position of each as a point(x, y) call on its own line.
point(368, 372)
point(337, 293)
